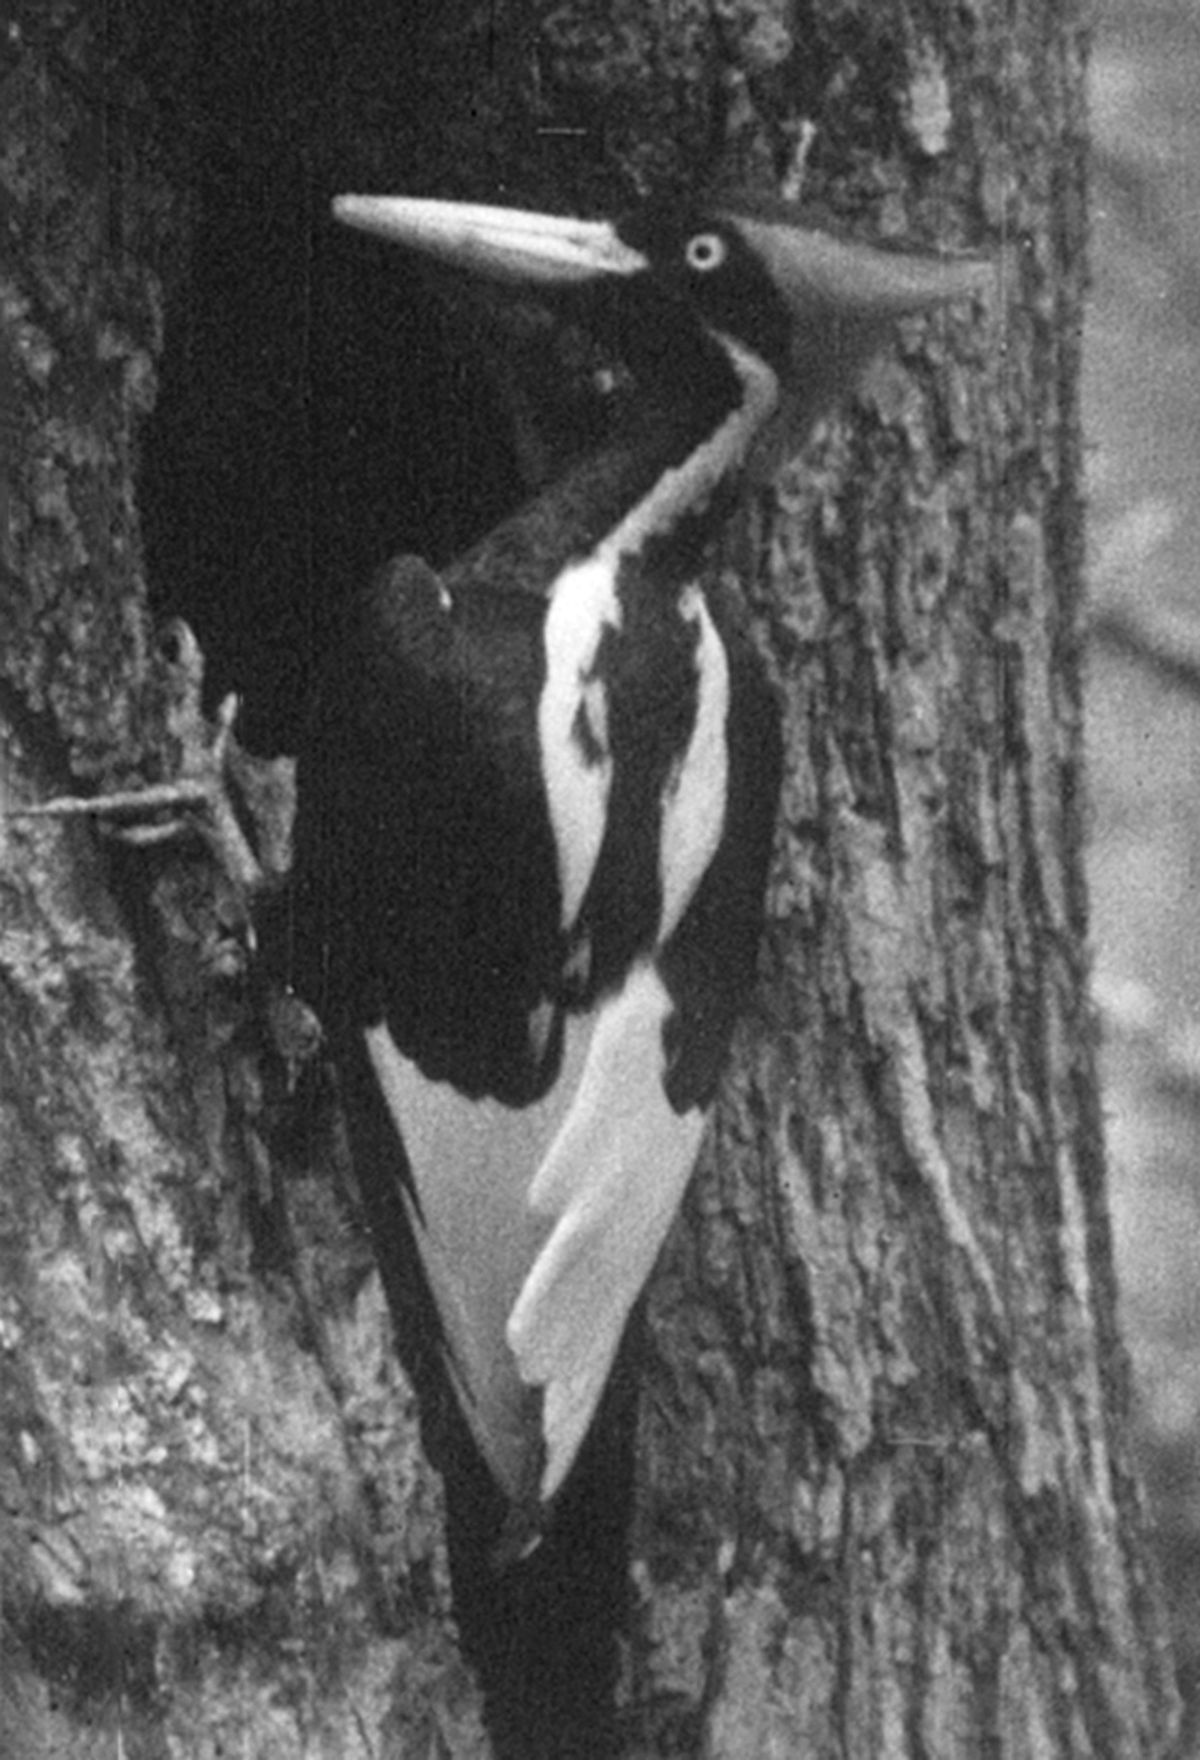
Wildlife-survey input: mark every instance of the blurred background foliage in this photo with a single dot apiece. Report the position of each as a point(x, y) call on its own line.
point(1143, 425)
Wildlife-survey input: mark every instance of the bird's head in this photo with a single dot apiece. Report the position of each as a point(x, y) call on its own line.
point(812, 306)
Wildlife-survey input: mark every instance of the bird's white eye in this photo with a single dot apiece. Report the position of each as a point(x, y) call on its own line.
point(705, 252)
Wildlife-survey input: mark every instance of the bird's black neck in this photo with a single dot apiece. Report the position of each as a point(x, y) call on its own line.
point(661, 483)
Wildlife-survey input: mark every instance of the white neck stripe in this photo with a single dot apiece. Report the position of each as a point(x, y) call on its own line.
point(688, 486)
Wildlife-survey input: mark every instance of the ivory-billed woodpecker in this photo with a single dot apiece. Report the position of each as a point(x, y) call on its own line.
point(536, 808)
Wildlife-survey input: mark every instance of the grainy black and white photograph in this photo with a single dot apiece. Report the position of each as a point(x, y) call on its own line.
point(599, 927)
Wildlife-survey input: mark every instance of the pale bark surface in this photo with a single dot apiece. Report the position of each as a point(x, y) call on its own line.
point(887, 1506)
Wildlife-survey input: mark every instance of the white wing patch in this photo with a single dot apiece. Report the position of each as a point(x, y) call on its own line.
point(473, 1162)
point(610, 1186)
point(693, 808)
point(538, 1227)
point(578, 775)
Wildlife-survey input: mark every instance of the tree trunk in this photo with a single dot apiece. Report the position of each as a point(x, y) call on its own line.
point(886, 1505)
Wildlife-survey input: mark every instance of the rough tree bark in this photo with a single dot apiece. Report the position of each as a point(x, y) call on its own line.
point(886, 1501)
